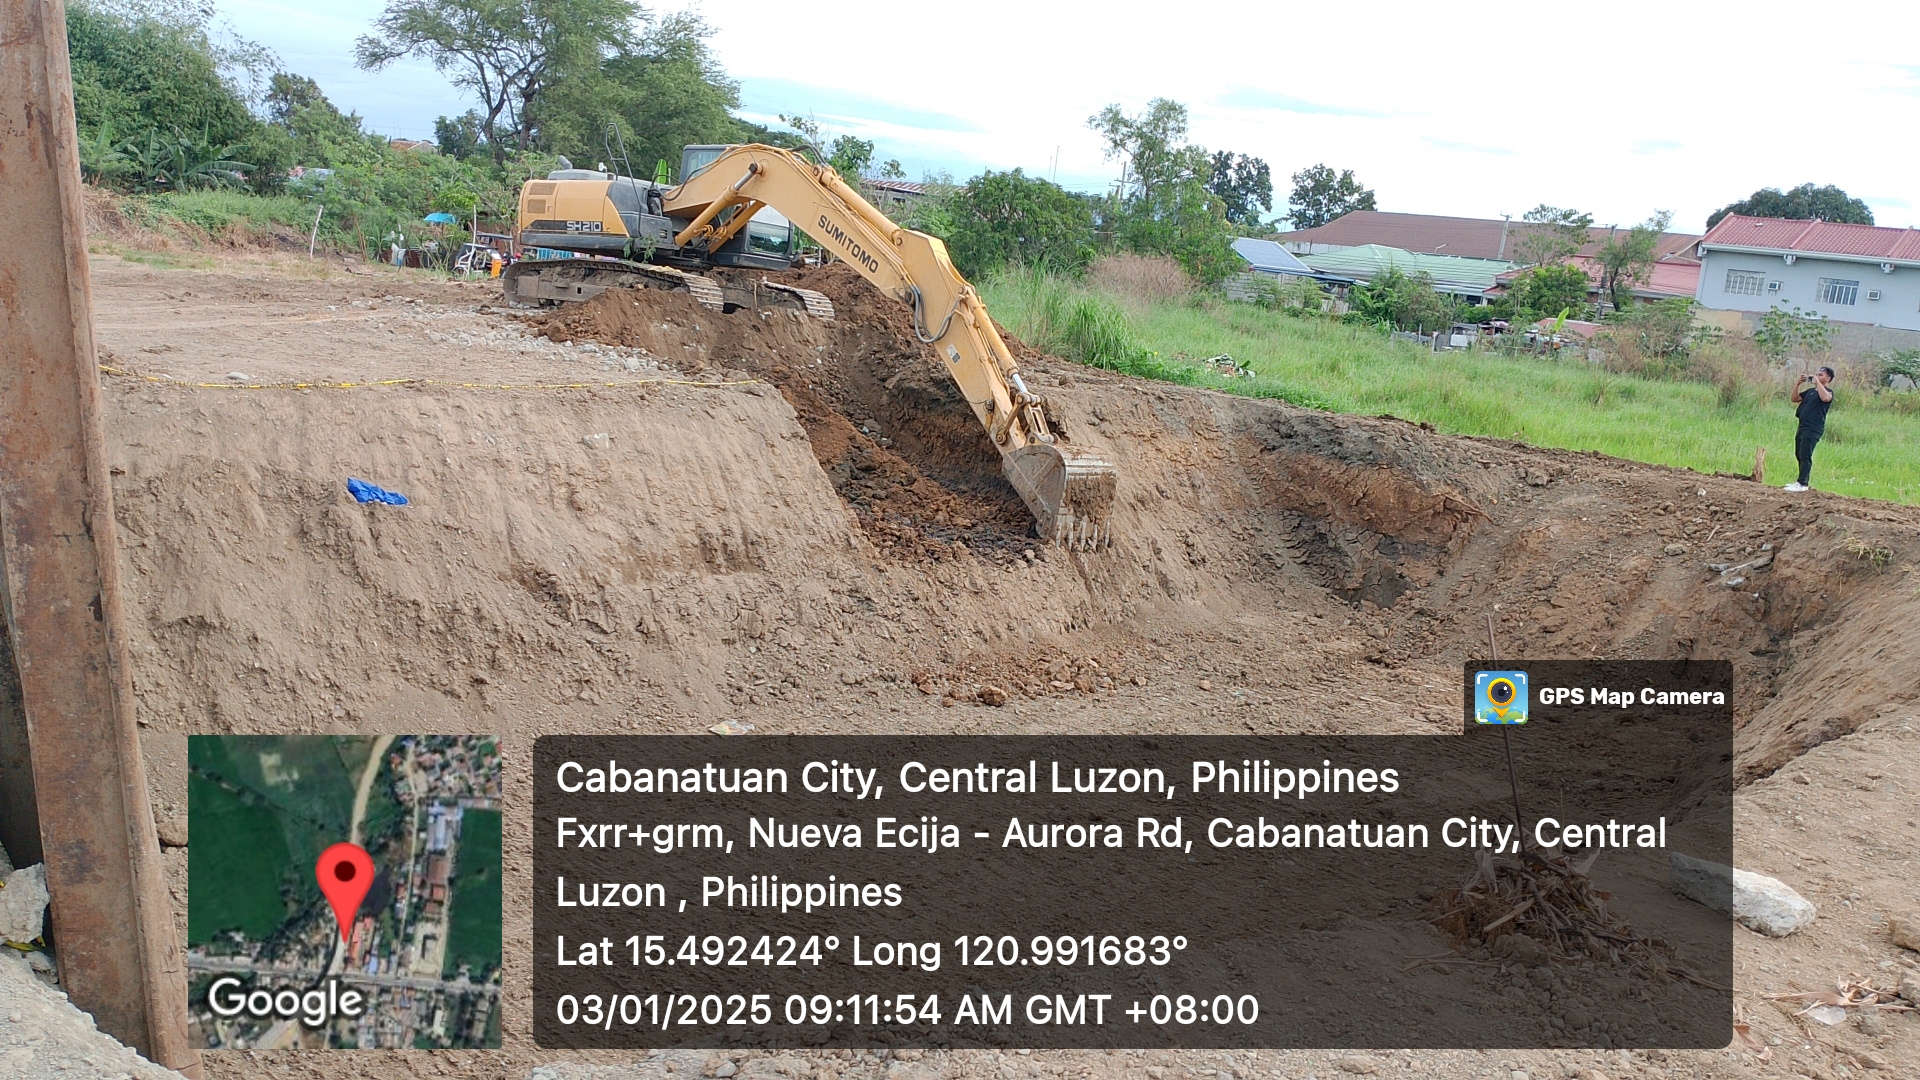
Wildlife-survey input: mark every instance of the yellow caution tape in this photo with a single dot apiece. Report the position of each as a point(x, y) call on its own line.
point(109, 369)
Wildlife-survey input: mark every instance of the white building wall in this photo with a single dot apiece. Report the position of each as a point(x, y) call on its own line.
point(1798, 285)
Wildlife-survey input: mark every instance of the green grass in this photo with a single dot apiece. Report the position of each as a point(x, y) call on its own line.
point(236, 859)
point(216, 210)
point(473, 933)
point(260, 809)
point(1872, 447)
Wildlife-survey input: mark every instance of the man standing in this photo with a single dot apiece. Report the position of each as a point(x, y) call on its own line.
point(1814, 396)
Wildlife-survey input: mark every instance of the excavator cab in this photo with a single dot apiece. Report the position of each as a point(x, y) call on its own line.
point(768, 235)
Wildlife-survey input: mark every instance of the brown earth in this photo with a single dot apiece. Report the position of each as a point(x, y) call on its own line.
point(799, 526)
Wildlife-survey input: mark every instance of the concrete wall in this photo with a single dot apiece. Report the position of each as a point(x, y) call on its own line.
point(1898, 306)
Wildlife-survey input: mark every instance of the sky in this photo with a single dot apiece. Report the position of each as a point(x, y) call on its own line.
point(1476, 110)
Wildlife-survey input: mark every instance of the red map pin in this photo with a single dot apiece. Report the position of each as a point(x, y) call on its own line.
point(345, 873)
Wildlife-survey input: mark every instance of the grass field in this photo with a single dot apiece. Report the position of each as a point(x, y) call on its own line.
point(260, 809)
point(473, 936)
point(236, 857)
point(1872, 446)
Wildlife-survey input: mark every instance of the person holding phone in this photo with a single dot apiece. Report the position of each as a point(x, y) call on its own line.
point(1813, 396)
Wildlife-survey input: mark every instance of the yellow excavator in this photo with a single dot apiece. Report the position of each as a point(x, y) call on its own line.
point(638, 233)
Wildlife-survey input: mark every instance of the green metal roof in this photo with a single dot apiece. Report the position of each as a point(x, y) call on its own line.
point(1447, 271)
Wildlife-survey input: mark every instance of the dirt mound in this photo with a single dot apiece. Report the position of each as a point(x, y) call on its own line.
point(1576, 555)
point(886, 423)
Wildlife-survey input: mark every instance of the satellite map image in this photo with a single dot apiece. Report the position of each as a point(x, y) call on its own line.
point(406, 956)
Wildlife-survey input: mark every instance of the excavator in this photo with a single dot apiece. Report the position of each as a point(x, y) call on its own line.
point(731, 216)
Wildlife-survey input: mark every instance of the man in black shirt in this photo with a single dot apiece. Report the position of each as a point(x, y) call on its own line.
point(1814, 396)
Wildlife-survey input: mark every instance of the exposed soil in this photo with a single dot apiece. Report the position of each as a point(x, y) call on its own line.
point(842, 556)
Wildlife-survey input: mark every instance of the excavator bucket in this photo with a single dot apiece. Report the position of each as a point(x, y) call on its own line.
point(1069, 492)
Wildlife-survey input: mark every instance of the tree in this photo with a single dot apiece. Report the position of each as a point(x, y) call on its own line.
point(1549, 234)
point(508, 53)
point(1803, 203)
point(460, 137)
point(1003, 218)
point(1545, 291)
point(145, 73)
point(1151, 148)
point(661, 90)
point(320, 134)
point(1626, 259)
point(151, 74)
point(1244, 184)
point(1162, 205)
point(1321, 195)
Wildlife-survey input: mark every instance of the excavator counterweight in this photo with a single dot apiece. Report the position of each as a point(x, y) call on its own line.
point(651, 235)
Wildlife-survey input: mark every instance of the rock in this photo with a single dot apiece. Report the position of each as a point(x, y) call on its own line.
point(726, 1070)
point(1910, 986)
point(1869, 1023)
point(1676, 549)
point(1762, 904)
point(1520, 947)
point(1536, 478)
point(1206, 684)
point(1541, 977)
point(599, 440)
point(991, 695)
point(1579, 1019)
point(237, 376)
point(1904, 928)
point(23, 904)
point(6, 865)
point(42, 1035)
point(1357, 1065)
point(172, 829)
point(1900, 382)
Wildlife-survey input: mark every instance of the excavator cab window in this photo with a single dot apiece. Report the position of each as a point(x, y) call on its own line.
point(695, 158)
point(767, 239)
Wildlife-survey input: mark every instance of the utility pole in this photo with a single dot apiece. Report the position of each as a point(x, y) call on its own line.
point(112, 920)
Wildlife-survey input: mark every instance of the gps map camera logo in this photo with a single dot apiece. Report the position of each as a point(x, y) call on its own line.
point(1500, 697)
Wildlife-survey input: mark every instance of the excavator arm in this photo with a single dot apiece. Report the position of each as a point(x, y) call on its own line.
point(1070, 492)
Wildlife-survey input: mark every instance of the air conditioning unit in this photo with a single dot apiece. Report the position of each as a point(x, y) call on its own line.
point(1773, 286)
point(1873, 294)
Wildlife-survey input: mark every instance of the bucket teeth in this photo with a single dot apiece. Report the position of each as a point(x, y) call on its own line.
point(1069, 492)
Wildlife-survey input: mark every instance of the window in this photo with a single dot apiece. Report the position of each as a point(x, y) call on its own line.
point(1746, 282)
point(1837, 291)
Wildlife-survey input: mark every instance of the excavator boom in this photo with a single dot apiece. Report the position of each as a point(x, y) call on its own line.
point(1070, 492)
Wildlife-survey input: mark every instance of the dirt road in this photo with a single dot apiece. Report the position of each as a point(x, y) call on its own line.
point(799, 526)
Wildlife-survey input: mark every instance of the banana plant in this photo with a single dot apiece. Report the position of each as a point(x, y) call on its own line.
point(101, 158)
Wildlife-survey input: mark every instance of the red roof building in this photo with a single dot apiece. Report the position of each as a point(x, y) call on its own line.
point(1847, 273)
point(1434, 234)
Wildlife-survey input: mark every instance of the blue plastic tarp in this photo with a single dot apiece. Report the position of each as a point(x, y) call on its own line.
point(366, 493)
point(440, 218)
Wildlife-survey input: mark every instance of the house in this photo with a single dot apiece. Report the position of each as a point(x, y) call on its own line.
point(1269, 262)
point(889, 195)
point(1863, 274)
point(1470, 279)
point(414, 146)
point(1433, 234)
